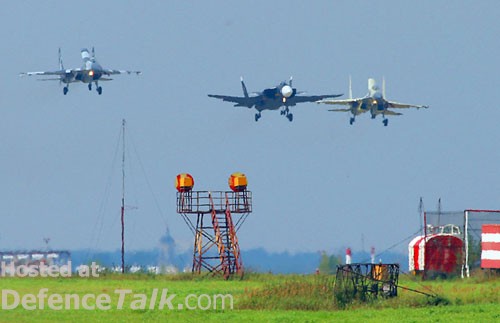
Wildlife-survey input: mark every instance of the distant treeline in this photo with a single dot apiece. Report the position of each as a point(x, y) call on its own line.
point(256, 260)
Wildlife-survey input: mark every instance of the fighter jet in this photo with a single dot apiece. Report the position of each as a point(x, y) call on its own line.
point(90, 72)
point(374, 102)
point(281, 96)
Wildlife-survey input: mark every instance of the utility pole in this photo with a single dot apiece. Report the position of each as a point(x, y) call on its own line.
point(123, 198)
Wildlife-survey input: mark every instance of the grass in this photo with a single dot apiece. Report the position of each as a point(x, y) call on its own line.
point(263, 297)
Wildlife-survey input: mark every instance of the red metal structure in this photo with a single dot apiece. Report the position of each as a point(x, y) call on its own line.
point(214, 218)
point(453, 239)
point(436, 254)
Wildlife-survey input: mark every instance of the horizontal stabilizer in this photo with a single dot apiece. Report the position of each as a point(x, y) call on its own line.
point(391, 113)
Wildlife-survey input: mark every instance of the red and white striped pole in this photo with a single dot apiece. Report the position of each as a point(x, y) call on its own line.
point(348, 255)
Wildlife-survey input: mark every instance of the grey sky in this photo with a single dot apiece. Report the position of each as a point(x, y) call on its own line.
point(318, 183)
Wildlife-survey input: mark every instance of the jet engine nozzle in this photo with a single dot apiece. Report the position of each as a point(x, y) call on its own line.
point(287, 91)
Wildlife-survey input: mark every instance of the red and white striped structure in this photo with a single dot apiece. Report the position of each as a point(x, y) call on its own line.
point(438, 253)
point(490, 246)
point(416, 254)
point(348, 256)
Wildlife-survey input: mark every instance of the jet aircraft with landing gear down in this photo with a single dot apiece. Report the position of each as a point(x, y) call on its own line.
point(90, 72)
point(281, 96)
point(374, 102)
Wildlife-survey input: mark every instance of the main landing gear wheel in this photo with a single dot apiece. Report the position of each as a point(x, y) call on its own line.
point(351, 121)
point(386, 122)
point(257, 116)
point(90, 86)
point(99, 90)
point(290, 117)
point(65, 90)
point(285, 112)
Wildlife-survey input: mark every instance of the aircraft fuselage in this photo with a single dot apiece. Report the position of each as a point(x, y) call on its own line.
point(373, 102)
point(271, 104)
point(277, 97)
point(91, 72)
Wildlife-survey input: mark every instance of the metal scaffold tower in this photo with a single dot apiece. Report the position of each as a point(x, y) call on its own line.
point(214, 218)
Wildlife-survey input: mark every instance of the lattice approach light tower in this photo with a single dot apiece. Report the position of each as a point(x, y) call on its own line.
point(214, 217)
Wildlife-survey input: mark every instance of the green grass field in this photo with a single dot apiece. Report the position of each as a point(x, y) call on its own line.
point(256, 298)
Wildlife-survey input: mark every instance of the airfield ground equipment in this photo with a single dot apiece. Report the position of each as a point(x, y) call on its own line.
point(214, 217)
point(453, 243)
point(365, 281)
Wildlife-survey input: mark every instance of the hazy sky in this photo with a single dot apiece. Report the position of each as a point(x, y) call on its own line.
point(318, 183)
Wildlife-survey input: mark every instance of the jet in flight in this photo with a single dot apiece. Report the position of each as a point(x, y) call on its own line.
point(374, 102)
point(90, 72)
point(280, 96)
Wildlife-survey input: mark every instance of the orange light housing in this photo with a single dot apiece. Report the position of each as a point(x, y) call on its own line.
point(238, 182)
point(184, 182)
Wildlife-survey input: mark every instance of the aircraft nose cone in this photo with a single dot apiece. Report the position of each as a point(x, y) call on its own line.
point(286, 91)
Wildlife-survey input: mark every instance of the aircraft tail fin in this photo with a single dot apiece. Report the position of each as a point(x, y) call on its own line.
point(61, 65)
point(243, 86)
point(383, 86)
point(350, 87)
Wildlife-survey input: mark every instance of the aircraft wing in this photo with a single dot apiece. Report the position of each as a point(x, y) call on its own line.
point(310, 98)
point(114, 72)
point(58, 72)
point(397, 105)
point(339, 102)
point(239, 100)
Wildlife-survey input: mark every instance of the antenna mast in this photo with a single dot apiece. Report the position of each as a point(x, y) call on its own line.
point(421, 212)
point(439, 212)
point(123, 199)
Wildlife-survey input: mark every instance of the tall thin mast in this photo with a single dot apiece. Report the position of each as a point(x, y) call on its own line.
point(123, 199)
